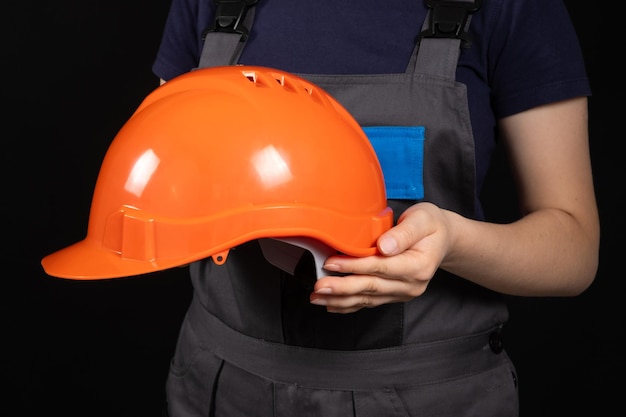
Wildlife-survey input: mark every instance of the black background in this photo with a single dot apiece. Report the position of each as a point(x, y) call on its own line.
point(72, 74)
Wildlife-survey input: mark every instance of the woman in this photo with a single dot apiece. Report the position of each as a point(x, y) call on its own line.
point(418, 329)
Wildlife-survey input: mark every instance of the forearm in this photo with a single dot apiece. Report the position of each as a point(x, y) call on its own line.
point(546, 253)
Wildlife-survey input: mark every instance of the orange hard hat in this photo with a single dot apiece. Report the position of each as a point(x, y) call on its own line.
point(220, 156)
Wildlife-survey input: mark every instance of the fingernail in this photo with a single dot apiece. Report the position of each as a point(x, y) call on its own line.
point(388, 245)
point(332, 267)
point(318, 301)
point(324, 290)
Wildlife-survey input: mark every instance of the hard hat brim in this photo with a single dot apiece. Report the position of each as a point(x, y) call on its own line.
point(87, 260)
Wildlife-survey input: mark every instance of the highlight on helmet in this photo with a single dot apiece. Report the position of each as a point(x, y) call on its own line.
point(221, 156)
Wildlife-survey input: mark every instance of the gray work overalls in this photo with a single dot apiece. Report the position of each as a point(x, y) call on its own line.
point(251, 343)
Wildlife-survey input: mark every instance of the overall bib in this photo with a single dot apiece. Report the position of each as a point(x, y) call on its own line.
point(251, 344)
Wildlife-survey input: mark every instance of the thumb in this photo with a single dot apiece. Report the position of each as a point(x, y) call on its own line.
point(404, 234)
point(387, 244)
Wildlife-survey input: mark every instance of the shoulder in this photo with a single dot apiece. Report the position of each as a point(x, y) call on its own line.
point(530, 53)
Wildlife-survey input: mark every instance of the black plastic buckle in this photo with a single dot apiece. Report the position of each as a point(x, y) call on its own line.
point(449, 18)
point(229, 17)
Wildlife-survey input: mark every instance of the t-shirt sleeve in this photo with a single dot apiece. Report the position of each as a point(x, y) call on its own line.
point(180, 47)
point(539, 59)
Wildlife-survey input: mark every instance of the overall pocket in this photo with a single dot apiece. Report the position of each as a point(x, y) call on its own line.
point(400, 152)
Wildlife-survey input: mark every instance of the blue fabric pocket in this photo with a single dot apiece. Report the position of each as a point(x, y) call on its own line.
point(400, 152)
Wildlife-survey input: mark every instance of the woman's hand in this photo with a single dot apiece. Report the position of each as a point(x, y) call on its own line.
point(411, 252)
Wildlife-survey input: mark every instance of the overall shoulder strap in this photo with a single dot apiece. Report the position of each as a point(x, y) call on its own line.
point(449, 19)
point(444, 33)
point(229, 32)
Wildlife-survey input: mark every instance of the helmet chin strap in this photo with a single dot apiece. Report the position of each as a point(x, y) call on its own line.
point(285, 253)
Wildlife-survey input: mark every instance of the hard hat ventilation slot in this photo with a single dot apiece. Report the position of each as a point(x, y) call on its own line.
point(316, 96)
point(264, 80)
point(287, 83)
point(253, 77)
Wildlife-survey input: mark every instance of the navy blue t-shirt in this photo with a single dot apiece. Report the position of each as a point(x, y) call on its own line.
point(525, 53)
